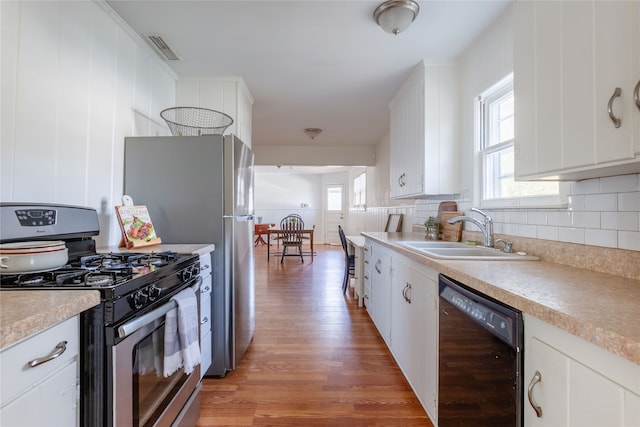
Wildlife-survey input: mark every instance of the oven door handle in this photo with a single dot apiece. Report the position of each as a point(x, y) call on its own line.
point(140, 322)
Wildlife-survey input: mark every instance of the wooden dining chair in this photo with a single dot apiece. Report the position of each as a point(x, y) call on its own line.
point(291, 230)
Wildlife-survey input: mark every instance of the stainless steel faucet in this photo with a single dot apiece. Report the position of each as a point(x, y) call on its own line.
point(486, 226)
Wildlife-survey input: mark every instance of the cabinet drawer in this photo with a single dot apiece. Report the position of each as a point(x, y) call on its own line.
point(17, 375)
point(205, 314)
point(205, 265)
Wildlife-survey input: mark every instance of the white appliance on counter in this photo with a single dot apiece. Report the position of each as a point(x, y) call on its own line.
point(199, 189)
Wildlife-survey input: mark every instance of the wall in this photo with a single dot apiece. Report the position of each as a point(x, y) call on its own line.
point(601, 212)
point(280, 194)
point(74, 83)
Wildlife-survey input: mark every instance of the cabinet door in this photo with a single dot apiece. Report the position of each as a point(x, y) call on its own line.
point(402, 290)
point(414, 332)
point(381, 292)
point(636, 73)
point(550, 394)
point(423, 142)
point(407, 136)
point(615, 48)
point(569, 57)
point(580, 385)
point(53, 402)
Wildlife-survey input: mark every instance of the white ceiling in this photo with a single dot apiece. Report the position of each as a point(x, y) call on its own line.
point(322, 64)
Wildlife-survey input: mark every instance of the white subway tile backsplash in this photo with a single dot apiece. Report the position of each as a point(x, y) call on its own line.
point(537, 218)
point(601, 202)
point(586, 219)
point(561, 219)
point(519, 217)
point(571, 235)
point(629, 201)
point(629, 240)
point(590, 186)
point(602, 212)
point(525, 230)
point(627, 221)
point(575, 202)
point(547, 233)
point(510, 229)
point(606, 238)
point(619, 184)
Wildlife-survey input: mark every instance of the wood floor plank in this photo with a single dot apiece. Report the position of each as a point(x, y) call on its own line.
point(316, 358)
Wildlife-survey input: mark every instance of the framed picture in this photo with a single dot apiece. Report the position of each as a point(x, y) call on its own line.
point(394, 223)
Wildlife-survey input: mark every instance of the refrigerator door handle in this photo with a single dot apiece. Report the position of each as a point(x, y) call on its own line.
point(239, 217)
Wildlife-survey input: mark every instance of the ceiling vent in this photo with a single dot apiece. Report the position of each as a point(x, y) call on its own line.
point(162, 47)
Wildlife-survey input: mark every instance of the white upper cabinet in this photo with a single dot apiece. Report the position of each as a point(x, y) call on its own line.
point(423, 144)
point(569, 59)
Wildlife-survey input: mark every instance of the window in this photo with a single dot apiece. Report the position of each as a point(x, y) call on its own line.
point(360, 191)
point(495, 135)
point(334, 198)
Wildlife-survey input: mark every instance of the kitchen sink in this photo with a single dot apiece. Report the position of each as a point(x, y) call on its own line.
point(453, 250)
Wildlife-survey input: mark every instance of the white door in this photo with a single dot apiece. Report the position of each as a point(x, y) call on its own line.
point(334, 214)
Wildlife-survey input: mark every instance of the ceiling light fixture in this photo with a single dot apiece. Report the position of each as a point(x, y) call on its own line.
point(312, 132)
point(395, 16)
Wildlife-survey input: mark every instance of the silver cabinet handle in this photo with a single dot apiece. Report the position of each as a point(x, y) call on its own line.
point(636, 94)
point(377, 266)
point(57, 351)
point(405, 292)
point(205, 320)
point(535, 380)
point(205, 289)
point(616, 121)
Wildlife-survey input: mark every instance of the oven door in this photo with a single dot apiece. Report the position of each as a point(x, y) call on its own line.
point(142, 396)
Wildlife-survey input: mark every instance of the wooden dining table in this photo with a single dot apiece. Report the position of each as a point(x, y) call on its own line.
point(277, 232)
point(259, 231)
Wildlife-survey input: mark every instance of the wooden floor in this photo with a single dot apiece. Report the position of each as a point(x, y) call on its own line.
point(316, 358)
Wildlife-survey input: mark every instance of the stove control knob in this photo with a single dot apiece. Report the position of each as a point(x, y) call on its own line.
point(153, 293)
point(138, 300)
point(186, 274)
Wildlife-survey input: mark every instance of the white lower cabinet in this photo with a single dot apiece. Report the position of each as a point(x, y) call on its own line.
point(580, 384)
point(205, 313)
point(381, 290)
point(414, 328)
point(366, 276)
point(47, 394)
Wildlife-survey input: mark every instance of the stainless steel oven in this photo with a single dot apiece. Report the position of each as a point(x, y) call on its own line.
point(122, 337)
point(142, 395)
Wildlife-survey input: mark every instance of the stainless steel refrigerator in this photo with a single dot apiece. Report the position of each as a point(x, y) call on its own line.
point(199, 189)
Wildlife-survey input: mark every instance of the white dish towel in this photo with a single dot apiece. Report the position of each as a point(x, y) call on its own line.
point(181, 344)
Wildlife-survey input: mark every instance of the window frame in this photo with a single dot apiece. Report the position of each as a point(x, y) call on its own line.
point(482, 134)
point(363, 194)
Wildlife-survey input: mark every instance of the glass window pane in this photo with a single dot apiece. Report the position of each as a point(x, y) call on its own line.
point(497, 127)
point(334, 198)
point(360, 190)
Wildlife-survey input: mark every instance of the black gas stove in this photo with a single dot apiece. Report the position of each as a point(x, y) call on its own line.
point(127, 282)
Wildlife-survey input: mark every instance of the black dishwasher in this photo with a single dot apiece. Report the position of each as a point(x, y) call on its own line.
point(480, 359)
